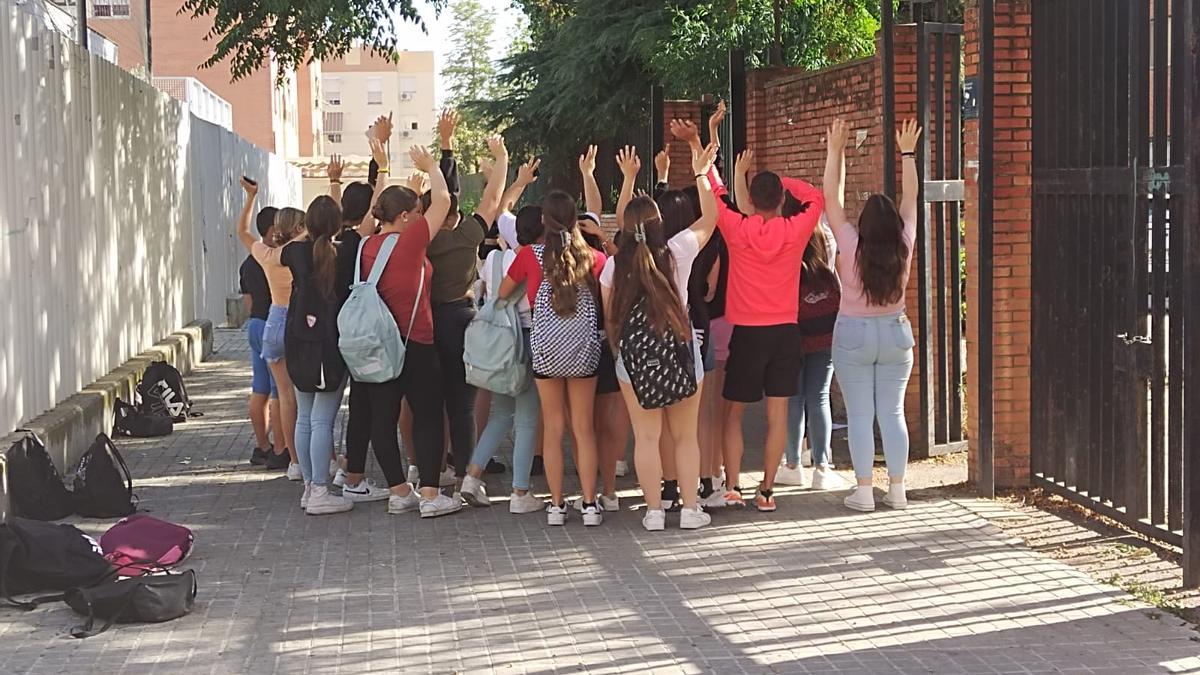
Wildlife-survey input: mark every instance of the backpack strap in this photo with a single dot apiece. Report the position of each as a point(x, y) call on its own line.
point(497, 274)
point(416, 304)
point(381, 261)
point(116, 455)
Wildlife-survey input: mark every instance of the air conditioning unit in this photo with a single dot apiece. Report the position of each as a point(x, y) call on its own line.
point(406, 96)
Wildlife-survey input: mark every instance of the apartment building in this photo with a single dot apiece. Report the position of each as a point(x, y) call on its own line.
point(361, 86)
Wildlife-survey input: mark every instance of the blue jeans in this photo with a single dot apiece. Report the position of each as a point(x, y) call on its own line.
point(521, 415)
point(811, 406)
point(315, 413)
point(261, 381)
point(873, 357)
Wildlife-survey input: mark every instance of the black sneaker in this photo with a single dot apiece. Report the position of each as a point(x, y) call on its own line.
point(279, 461)
point(259, 456)
point(494, 465)
point(539, 466)
point(670, 496)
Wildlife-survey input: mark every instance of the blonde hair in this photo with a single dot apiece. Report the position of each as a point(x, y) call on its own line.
point(289, 223)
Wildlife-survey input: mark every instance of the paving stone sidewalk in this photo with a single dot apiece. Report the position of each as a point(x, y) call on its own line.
point(810, 588)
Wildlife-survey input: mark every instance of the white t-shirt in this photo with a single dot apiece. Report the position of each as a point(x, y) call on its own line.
point(684, 247)
point(507, 256)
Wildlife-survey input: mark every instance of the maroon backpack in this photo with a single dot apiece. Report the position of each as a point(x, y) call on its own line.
point(140, 544)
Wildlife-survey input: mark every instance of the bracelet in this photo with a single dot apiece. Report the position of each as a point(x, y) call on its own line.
point(383, 170)
point(909, 154)
point(335, 182)
point(701, 175)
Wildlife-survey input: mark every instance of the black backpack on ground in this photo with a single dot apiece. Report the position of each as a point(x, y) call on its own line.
point(310, 339)
point(103, 486)
point(128, 420)
point(37, 489)
point(37, 556)
point(662, 368)
point(147, 599)
point(162, 392)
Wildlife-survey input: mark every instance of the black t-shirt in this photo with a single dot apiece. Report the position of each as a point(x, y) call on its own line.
point(297, 256)
point(253, 282)
point(713, 252)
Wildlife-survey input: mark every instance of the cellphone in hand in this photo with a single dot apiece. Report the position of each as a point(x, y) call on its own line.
point(250, 181)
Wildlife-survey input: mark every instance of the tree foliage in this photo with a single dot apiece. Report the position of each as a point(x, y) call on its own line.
point(470, 75)
point(251, 33)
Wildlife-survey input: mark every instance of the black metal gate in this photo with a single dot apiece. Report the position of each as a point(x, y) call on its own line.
point(1113, 252)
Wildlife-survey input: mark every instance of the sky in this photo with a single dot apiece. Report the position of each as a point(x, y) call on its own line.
point(439, 41)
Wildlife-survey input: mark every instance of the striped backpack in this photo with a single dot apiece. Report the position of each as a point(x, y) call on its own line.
point(564, 346)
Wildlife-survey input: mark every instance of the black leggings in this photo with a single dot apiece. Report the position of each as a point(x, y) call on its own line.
point(375, 412)
point(450, 322)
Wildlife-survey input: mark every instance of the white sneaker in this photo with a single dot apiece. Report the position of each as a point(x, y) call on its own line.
point(592, 515)
point(895, 498)
point(474, 491)
point(447, 477)
point(339, 478)
point(861, 498)
point(622, 468)
point(525, 503)
point(322, 502)
point(610, 503)
point(654, 520)
point(556, 515)
point(414, 476)
point(716, 500)
point(787, 475)
point(365, 491)
point(294, 472)
point(440, 505)
point(693, 519)
point(334, 467)
point(403, 504)
point(304, 497)
point(825, 478)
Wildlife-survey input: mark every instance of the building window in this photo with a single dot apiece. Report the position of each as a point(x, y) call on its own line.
point(374, 91)
point(333, 127)
point(408, 88)
point(333, 90)
point(108, 8)
point(414, 126)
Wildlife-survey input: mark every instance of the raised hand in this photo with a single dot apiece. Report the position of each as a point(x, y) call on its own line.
point(686, 131)
point(422, 158)
point(381, 129)
point(908, 135)
point(629, 162)
point(378, 153)
point(333, 170)
point(838, 132)
point(527, 172)
point(702, 160)
point(587, 161)
point(496, 147)
point(662, 163)
point(714, 121)
point(251, 187)
point(416, 182)
point(485, 168)
point(744, 161)
point(447, 123)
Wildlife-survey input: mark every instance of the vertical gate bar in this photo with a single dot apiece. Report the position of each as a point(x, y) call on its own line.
point(657, 130)
point(1112, 97)
point(924, 262)
point(1189, 219)
point(1039, 381)
point(737, 103)
point(888, 20)
point(987, 30)
point(942, 406)
point(1078, 58)
point(956, 325)
point(1090, 452)
point(1175, 306)
point(1158, 334)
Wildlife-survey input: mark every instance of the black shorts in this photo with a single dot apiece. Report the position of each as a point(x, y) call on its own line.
point(763, 360)
point(606, 372)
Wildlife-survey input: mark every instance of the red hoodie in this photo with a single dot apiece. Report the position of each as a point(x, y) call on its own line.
point(765, 256)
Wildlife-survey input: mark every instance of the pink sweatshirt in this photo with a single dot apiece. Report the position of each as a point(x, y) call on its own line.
point(765, 256)
point(854, 300)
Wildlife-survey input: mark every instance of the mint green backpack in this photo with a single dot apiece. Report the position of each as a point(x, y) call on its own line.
point(494, 350)
point(368, 337)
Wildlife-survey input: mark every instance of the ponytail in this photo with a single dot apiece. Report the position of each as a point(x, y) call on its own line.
point(323, 219)
point(567, 260)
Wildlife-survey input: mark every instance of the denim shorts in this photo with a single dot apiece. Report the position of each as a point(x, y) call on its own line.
point(261, 381)
point(272, 339)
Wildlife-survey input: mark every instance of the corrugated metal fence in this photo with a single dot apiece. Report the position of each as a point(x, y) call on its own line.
point(116, 212)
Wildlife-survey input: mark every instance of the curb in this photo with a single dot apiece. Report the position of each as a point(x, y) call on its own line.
point(69, 428)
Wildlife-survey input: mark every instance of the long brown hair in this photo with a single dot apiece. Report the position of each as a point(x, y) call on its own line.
point(567, 259)
point(817, 272)
point(289, 223)
point(323, 220)
point(644, 268)
point(882, 251)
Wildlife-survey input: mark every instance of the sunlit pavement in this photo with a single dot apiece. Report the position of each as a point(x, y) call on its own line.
point(810, 588)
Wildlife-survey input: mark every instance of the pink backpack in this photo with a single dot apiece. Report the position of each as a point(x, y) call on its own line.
point(140, 544)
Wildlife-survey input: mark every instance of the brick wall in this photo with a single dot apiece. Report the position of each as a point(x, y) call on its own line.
point(1013, 231)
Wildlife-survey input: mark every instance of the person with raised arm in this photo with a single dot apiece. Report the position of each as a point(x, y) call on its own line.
point(646, 297)
point(766, 251)
point(873, 339)
point(264, 396)
point(289, 224)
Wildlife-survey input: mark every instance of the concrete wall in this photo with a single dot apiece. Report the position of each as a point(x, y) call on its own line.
point(116, 208)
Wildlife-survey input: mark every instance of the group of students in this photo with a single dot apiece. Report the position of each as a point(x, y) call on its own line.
point(701, 304)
